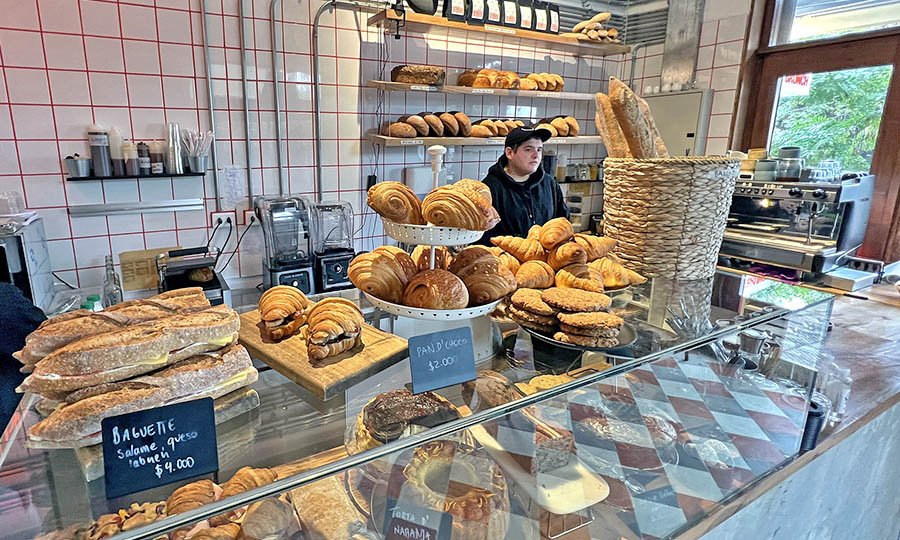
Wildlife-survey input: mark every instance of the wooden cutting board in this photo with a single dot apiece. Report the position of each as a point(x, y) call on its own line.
point(331, 376)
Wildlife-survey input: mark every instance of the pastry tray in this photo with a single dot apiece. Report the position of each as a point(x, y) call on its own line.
point(561, 491)
point(627, 336)
point(430, 235)
point(432, 314)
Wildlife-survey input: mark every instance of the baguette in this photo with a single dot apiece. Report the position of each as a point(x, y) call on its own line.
point(634, 124)
point(68, 327)
point(77, 422)
point(609, 129)
point(135, 350)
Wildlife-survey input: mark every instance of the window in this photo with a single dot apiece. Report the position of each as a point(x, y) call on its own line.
point(832, 115)
point(805, 20)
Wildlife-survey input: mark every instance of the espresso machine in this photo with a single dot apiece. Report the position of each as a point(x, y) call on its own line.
point(811, 227)
point(332, 244)
point(286, 229)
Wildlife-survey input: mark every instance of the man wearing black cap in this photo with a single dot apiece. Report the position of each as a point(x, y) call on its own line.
point(524, 195)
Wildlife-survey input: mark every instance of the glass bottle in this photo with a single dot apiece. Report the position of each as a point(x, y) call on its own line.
point(94, 300)
point(112, 286)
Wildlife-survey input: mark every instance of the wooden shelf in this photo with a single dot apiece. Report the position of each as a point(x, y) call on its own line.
point(128, 177)
point(473, 141)
point(581, 48)
point(466, 90)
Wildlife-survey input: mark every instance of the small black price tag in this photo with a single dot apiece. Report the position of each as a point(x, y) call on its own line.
point(441, 359)
point(154, 447)
point(410, 522)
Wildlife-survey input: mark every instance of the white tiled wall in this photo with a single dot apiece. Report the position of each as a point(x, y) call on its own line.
point(138, 64)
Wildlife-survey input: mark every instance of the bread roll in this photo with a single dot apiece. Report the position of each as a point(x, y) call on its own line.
point(434, 123)
point(465, 125)
point(481, 132)
point(560, 82)
point(510, 124)
point(601, 17)
point(451, 126)
point(555, 232)
point(502, 128)
point(562, 127)
point(539, 79)
point(574, 128)
point(417, 122)
point(466, 78)
point(398, 129)
point(436, 289)
point(395, 202)
point(489, 124)
point(527, 84)
point(550, 128)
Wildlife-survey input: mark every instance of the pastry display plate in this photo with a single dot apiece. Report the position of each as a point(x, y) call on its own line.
point(430, 235)
point(627, 336)
point(562, 491)
point(432, 314)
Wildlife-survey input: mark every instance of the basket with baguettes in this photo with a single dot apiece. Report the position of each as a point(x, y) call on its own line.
point(666, 214)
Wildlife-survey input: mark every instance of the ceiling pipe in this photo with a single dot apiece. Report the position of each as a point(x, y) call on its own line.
point(212, 107)
point(276, 63)
point(247, 105)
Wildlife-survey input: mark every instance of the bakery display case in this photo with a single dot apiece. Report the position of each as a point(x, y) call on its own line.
point(548, 442)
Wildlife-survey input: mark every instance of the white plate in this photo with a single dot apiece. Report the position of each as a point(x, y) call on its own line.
point(562, 491)
point(430, 235)
point(432, 314)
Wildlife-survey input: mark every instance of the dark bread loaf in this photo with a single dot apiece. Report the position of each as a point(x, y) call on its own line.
point(418, 75)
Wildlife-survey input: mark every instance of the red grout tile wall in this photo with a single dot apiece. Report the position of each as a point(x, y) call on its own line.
point(138, 64)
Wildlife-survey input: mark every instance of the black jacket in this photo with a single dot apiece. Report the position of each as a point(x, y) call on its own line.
point(521, 205)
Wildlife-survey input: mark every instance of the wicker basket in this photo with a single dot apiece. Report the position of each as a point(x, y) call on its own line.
point(668, 214)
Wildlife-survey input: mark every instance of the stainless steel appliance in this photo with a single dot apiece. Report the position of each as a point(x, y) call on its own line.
point(332, 244)
point(25, 261)
point(811, 227)
point(286, 229)
point(193, 267)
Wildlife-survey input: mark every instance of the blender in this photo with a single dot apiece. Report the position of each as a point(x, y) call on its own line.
point(286, 229)
point(332, 244)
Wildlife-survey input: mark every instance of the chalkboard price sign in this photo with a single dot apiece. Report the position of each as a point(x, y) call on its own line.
point(411, 522)
point(150, 448)
point(442, 358)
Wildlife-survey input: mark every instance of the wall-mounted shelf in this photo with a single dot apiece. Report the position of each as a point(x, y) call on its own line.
point(447, 89)
point(128, 177)
point(473, 141)
point(137, 207)
point(419, 22)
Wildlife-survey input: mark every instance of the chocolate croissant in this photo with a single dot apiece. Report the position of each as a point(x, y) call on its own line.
point(469, 256)
point(383, 273)
point(521, 248)
point(436, 289)
point(615, 276)
point(555, 232)
point(335, 326)
point(579, 276)
point(535, 275)
point(487, 280)
point(421, 257)
point(283, 310)
point(463, 205)
point(566, 254)
point(395, 202)
point(595, 247)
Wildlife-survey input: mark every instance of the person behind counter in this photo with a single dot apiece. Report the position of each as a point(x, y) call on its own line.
point(18, 319)
point(524, 194)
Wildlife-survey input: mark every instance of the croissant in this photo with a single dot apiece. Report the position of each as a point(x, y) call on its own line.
point(469, 256)
point(436, 289)
point(579, 276)
point(555, 232)
point(382, 273)
point(595, 247)
point(283, 310)
point(521, 248)
point(228, 531)
point(269, 518)
point(421, 257)
point(509, 261)
point(534, 233)
point(395, 202)
point(487, 280)
point(462, 205)
point(615, 276)
point(566, 254)
point(535, 275)
point(189, 497)
point(244, 479)
point(335, 326)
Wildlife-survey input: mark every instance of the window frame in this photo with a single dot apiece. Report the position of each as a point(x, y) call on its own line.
point(769, 63)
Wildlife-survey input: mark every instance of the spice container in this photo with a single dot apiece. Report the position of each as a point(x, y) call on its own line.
point(562, 164)
point(143, 152)
point(98, 139)
point(129, 152)
point(115, 152)
point(157, 157)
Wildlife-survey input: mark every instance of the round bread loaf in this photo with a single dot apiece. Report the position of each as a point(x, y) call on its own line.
point(417, 122)
point(465, 125)
point(451, 126)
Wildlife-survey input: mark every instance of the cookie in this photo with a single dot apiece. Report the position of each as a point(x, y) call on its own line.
point(526, 388)
point(543, 382)
point(591, 332)
point(575, 300)
point(547, 329)
point(596, 319)
point(546, 320)
point(530, 300)
point(585, 341)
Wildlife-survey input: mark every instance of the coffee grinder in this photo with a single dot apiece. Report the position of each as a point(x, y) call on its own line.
point(286, 228)
point(332, 244)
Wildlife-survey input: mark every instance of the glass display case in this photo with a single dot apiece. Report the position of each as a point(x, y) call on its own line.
point(711, 396)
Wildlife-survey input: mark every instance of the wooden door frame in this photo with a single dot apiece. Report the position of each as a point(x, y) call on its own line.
point(768, 64)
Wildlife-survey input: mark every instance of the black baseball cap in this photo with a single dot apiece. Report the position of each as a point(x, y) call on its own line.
point(522, 134)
